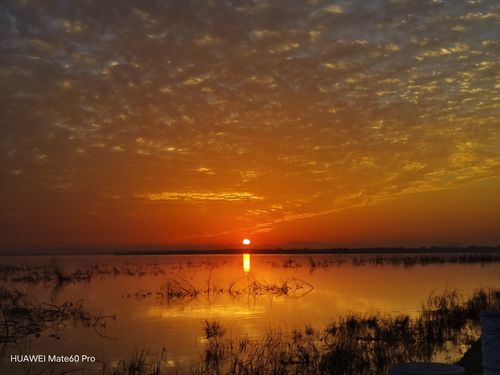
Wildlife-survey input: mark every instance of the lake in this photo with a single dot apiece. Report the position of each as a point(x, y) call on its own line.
point(153, 303)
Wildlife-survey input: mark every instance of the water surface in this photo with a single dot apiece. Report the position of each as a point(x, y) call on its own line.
point(247, 294)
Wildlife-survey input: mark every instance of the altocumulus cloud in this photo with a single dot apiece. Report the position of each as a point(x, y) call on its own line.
point(200, 196)
point(314, 105)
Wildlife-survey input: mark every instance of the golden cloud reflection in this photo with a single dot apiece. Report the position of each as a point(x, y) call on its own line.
point(202, 311)
point(246, 263)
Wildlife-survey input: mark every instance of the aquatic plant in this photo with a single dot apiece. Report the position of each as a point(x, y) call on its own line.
point(23, 318)
point(351, 345)
point(176, 289)
point(354, 344)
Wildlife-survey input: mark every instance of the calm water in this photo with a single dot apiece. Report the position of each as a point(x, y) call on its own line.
point(133, 288)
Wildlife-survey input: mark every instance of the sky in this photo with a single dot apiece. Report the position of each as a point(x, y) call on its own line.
point(290, 122)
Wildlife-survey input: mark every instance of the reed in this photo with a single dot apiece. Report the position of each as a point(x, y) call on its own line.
point(351, 345)
point(179, 289)
point(59, 274)
point(23, 319)
point(354, 344)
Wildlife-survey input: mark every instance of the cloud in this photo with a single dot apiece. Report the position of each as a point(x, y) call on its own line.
point(334, 9)
point(304, 103)
point(232, 196)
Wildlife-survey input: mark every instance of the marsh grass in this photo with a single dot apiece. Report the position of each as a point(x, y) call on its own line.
point(22, 318)
point(411, 260)
point(61, 275)
point(400, 260)
point(354, 344)
point(143, 362)
point(351, 345)
point(179, 289)
point(291, 287)
point(57, 272)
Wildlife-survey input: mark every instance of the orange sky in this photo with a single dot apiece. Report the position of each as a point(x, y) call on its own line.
point(294, 123)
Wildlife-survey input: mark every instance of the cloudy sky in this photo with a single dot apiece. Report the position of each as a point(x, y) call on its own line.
point(288, 121)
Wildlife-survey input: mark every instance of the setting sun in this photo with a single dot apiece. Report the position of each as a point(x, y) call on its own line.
point(355, 141)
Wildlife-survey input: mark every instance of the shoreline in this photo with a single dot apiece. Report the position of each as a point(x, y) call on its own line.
point(306, 251)
point(472, 250)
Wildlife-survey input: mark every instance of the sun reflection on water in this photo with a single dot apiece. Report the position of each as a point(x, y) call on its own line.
point(246, 262)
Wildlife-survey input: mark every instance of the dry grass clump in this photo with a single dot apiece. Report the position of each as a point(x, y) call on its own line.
point(179, 289)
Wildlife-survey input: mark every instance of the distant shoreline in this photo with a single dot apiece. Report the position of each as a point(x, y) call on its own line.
point(277, 251)
point(335, 251)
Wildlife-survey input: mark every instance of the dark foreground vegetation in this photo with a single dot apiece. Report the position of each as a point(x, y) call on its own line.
point(23, 318)
point(353, 344)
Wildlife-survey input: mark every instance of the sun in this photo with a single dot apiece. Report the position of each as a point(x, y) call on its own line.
point(246, 242)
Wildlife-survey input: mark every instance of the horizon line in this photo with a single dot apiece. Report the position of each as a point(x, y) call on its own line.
point(268, 251)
